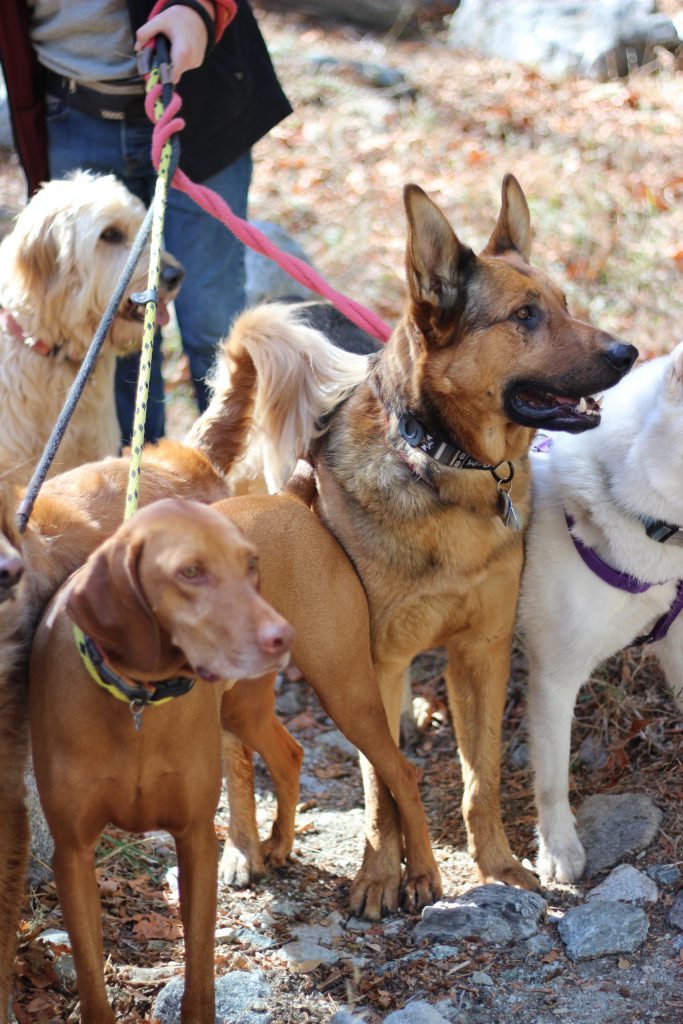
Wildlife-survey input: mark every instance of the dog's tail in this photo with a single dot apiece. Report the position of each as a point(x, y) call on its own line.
point(276, 378)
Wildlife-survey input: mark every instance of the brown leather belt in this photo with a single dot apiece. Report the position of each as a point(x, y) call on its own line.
point(110, 106)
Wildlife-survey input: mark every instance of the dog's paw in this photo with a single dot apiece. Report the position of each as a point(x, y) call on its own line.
point(276, 849)
point(420, 889)
point(561, 859)
point(514, 873)
point(238, 868)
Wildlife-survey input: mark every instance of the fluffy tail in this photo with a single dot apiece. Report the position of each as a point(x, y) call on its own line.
point(275, 379)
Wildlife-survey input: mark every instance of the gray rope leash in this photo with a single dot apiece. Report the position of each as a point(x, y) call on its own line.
point(87, 367)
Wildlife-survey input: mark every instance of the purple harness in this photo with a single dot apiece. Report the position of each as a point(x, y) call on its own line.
point(622, 581)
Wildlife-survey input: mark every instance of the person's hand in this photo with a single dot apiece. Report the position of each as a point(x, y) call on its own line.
point(185, 31)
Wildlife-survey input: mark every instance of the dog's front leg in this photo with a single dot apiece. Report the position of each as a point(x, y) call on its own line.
point(394, 818)
point(477, 678)
point(242, 860)
point(14, 828)
point(197, 851)
point(79, 897)
point(554, 682)
point(248, 711)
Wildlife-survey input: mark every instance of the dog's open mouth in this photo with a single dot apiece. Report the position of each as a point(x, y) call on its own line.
point(533, 406)
point(136, 311)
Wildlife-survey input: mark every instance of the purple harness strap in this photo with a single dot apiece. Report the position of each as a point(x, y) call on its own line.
point(623, 581)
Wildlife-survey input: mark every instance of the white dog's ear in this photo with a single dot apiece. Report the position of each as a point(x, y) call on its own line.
point(36, 254)
point(674, 383)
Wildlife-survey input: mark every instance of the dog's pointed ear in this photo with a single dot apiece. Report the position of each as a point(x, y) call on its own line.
point(674, 380)
point(436, 261)
point(513, 229)
point(107, 601)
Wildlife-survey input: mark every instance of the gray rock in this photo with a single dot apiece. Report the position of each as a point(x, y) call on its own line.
point(435, 952)
point(304, 950)
point(675, 915)
point(322, 933)
point(285, 908)
point(337, 741)
point(265, 280)
point(598, 929)
point(242, 997)
point(481, 978)
point(493, 913)
point(42, 846)
point(664, 874)
point(344, 1017)
point(593, 752)
point(625, 884)
point(539, 944)
point(612, 827)
point(597, 38)
point(417, 1012)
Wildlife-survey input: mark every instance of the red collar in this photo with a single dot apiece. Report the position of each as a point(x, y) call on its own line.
point(35, 344)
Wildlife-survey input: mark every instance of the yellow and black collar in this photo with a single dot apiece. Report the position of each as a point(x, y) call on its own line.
point(129, 690)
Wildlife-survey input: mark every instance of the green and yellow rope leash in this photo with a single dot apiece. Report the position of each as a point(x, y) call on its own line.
point(151, 299)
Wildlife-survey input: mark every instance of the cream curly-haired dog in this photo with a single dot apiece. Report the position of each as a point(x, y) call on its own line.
point(58, 269)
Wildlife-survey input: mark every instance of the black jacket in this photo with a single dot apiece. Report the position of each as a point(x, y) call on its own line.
point(229, 103)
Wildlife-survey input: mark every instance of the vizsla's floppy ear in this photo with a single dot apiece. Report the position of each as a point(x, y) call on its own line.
point(513, 229)
point(436, 261)
point(108, 603)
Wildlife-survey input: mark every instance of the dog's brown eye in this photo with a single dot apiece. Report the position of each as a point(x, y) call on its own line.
point(112, 235)
point(252, 564)
point(523, 313)
point(191, 572)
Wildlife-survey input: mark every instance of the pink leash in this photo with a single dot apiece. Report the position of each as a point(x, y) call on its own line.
point(167, 125)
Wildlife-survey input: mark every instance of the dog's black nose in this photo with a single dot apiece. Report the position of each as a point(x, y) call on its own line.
point(172, 276)
point(11, 570)
point(620, 356)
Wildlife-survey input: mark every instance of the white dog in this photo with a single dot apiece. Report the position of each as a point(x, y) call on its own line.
point(603, 565)
point(58, 269)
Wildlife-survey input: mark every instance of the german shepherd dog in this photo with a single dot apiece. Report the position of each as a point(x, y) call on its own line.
point(420, 456)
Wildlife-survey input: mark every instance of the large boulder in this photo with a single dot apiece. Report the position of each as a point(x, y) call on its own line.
point(595, 38)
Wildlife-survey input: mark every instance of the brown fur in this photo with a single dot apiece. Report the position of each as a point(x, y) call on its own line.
point(438, 565)
point(173, 591)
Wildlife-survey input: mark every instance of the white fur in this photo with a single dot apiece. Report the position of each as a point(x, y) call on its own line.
point(290, 359)
point(57, 275)
point(631, 465)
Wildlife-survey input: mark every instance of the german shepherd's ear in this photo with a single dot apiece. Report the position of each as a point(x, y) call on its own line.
point(513, 230)
point(107, 601)
point(435, 258)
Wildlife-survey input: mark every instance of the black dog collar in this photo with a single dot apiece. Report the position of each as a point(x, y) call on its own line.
point(417, 436)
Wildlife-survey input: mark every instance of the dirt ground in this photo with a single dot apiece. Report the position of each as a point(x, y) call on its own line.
point(601, 165)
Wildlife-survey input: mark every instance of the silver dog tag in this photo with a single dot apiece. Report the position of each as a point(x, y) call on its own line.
point(136, 709)
point(508, 512)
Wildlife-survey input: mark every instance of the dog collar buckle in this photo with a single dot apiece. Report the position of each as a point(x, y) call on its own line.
point(660, 531)
point(136, 709)
point(410, 430)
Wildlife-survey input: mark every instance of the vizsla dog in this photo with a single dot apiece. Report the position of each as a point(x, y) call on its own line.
point(172, 597)
point(415, 451)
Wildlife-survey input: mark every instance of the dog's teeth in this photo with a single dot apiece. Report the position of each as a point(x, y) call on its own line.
point(582, 406)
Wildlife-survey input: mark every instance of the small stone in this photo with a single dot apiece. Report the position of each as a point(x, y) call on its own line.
point(337, 741)
point(305, 951)
point(539, 944)
point(675, 915)
point(55, 937)
point(625, 884)
point(354, 924)
point(480, 978)
point(664, 874)
point(598, 929)
point(285, 908)
point(493, 913)
point(417, 1012)
point(613, 827)
point(236, 994)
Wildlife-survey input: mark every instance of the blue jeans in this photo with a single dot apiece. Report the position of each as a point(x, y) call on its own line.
point(213, 291)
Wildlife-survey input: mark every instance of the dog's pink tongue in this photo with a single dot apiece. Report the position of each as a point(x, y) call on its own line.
point(162, 314)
